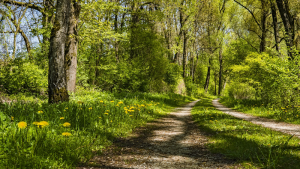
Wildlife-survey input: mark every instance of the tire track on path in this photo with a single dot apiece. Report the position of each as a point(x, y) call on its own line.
point(287, 128)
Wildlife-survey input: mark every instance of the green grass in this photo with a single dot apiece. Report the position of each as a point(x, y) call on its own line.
point(96, 119)
point(252, 145)
point(287, 114)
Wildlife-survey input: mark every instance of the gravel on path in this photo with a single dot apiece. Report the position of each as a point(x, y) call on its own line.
point(287, 128)
point(171, 142)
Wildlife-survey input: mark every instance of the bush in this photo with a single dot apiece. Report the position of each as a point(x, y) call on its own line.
point(23, 76)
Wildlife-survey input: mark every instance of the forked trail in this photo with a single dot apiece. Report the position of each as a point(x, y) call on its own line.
point(171, 142)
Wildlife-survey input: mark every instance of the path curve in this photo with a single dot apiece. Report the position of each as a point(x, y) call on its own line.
point(171, 142)
point(287, 128)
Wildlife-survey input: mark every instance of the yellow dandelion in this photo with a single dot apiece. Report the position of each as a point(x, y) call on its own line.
point(22, 125)
point(99, 117)
point(66, 134)
point(12, 118)
point(40, 112)
point(66, 124)
point(35, 123)
point(61, 118)
point(106, 113)
point(66, 108)
point(112, 101)
point(90, 108)
point(101, 101)
point(120, 102)
point(111, 121)
point(130, 115)
point(43, 124)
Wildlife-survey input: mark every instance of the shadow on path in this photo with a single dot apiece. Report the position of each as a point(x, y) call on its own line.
point(171, 142)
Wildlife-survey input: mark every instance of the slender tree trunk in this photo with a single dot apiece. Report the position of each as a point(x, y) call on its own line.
point(288, 23)
point(264, 16)
point(72, 46)
point(221, 69)
point(57, 82)
point(275, 24)
point(207, 76)
point(184, 54)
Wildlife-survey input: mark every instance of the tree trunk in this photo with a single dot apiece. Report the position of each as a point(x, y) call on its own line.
point(288, 23)
point(72, 46)
point(264, 15)
point(57, 81)
point(220, 71)
point(207, 76)
point(275, 24)
point(184, 54)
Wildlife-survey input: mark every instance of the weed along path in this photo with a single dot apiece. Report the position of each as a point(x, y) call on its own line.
point(174, 141)
point(287, 128)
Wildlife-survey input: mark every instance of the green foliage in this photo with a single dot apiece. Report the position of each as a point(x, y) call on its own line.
point(22, 76)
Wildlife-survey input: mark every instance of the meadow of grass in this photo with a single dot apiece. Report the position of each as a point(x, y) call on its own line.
point(38, 135)
point(252, 145)
point(289, 114)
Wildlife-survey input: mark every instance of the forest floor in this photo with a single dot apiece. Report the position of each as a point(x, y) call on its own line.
point(174, 141)
point(283, 127)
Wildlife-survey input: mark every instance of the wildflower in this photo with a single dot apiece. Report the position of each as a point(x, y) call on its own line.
point(35, 123)
point(66, 134)
point(43, 124)
point(66, 108)
point(90, 108)
point(40, 112)
point(101, 101)
point(99, 117)
point(106, 113)
point(112, 101)
point(130, 115)
point(12, 118)
point(120, 102)
point(111, 121)
point(66, 124)
point(61, 118)
point(22, 125)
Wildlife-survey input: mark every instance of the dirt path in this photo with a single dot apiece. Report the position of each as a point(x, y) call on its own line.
point(291, 129)
point(171, 142)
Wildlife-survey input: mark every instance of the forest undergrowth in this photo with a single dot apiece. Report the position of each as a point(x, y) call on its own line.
point(41, 135)
point(288, 113)
point(252, 145)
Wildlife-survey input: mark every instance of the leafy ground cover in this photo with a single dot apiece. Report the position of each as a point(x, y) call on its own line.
point(252, 145)
point(39, 135)
point(289, 114)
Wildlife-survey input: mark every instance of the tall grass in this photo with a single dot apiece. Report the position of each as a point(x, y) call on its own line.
point(252, 145)
point(39, 135)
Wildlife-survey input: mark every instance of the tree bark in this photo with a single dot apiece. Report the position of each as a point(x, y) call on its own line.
point(184, 54)
point(275, 24)
point(57, 81)
point(207, 76)
point(221, 69)
point(72, 46)
point(264, 15)
point(288, 23)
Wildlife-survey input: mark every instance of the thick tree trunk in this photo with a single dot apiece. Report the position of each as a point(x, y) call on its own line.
point(57, 82)
point(72, 46)
point(288, 23)
point(220, 71)
point(275, 24)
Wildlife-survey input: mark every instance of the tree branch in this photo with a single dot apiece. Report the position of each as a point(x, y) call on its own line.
point(249, 12)
point(32, 6)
